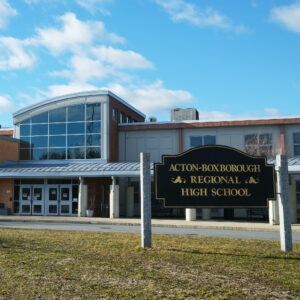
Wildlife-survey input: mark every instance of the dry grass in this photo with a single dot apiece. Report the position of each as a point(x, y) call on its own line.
point(41, 264)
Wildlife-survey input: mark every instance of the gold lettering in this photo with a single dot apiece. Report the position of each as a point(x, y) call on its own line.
point(193, 179)
point(186, 192)
point(243, 192)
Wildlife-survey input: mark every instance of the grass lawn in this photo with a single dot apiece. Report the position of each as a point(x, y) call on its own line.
point(45, 264)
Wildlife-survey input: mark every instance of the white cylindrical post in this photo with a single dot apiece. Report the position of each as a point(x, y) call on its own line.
point(190, 214)
point(284, 204)
point(145, 200)
point(114, 200)
point(130, 201)
point(82, 198)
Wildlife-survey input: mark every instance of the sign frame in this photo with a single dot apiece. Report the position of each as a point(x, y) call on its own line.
point(262, 160)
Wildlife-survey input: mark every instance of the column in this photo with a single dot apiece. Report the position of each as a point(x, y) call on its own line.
point(206, 213)
point(190, 214)
point(293, 198)
point(273, 212)
point(114, 199)
point(130, 201)
point(82, 198)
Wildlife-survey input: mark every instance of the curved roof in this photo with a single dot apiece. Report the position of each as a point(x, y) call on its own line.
point(74, 95)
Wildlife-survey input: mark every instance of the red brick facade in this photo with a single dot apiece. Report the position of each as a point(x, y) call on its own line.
point(6, 192)
point(113, 125)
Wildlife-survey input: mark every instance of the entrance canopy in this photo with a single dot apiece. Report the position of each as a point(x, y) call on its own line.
point(48, 169)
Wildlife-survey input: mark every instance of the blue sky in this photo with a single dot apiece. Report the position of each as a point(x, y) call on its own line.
point(229, 59)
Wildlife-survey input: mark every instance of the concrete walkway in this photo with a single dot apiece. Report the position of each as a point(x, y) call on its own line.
point(180, 223)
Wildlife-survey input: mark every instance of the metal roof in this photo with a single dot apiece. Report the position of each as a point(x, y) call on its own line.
point(92, 168)
point(293, 163)
point(46, 169)
point(6, 138)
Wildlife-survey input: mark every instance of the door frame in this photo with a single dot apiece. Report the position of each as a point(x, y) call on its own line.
point(65, 202)
point(25, 202)
point(37, 202)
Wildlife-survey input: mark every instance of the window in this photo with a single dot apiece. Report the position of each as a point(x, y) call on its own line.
point(93, 112)
point(76, 113)
point(43, 118)
point(258, 144)
point(57, 115)
point(72, 132)
point(115, 114)
point(296, 141)
point(122, 118)
point(196, 141)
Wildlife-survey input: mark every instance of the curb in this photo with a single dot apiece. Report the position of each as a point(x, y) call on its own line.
point(154, 224)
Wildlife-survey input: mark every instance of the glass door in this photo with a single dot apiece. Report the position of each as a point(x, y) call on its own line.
point(65, 200)
point(52, 192)
point(25, 200)
point(37, 200)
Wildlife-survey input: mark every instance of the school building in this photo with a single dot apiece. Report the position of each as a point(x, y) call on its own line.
point(78, 155)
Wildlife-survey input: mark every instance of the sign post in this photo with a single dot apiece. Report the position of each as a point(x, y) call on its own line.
point(145, 200)
point(284, 204)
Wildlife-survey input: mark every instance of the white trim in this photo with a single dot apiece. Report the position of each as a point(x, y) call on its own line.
point(47, 102)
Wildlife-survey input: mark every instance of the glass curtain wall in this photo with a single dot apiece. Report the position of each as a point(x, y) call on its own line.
point(72, 132)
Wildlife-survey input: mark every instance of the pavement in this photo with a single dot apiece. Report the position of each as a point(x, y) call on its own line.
point(175, 223)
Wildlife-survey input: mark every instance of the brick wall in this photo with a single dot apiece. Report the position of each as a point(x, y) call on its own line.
point(7, 132)
point(6, 192)
point(113, 126)
point(9, 150)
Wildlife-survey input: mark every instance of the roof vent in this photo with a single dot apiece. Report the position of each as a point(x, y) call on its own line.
point(152, 119)
point(184, 114)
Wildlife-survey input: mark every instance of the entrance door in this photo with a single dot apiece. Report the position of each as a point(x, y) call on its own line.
point(65, 200)
point(25, 199)
point(37, 207)
point(52, 194)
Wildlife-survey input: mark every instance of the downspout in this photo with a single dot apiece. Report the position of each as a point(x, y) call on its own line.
point(282, 139)
point(180, 146)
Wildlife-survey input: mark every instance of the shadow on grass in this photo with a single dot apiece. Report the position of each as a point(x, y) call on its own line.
point(232, 254)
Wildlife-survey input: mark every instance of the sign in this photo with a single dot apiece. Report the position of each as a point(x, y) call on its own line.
point(214, 177)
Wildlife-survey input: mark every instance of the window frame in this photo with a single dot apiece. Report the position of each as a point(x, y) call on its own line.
point(296, 144)
point(257, 146)
point(96, 125)
point(202, 140)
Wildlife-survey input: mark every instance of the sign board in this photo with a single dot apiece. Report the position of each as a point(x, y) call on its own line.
point(214, 177)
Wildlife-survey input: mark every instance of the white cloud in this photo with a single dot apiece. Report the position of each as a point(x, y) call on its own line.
point(6, 11)
point(121, 59)
point(272, 111)
point(94, 5)
point(103, 62)
point(83, 69)
point(59, 90)
point(151, 98)
point(5, 104)
point(180, 10)
point(288, 16)
point(74, 35)
point(14, 55)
